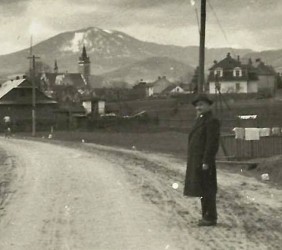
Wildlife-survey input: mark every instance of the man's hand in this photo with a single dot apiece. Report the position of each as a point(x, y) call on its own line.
point(205, 166)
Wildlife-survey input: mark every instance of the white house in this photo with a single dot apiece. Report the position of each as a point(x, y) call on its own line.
point(231, 76)
point(159, 85)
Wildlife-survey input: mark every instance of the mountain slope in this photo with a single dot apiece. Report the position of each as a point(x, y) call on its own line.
point(150, 69)
point(109, 51)
point(271, 57)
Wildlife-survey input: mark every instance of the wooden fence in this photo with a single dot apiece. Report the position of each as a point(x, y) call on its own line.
point(242, 149)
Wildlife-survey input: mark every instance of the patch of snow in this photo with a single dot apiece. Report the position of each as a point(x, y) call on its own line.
point(75, 43)
point(108, 31)
point(121, 36)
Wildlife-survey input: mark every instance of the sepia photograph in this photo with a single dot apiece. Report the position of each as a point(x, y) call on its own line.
point(140, 125)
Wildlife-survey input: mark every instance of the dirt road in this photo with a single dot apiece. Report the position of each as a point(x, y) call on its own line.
point(94, 197)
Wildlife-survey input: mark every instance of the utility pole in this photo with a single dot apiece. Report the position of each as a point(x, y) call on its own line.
point(32, 77)
point(201, 79)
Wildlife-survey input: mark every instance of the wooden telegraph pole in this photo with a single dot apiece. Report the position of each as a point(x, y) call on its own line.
point(201, 78)
point(32, 77)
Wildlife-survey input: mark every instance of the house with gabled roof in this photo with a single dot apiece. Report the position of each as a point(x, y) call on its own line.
point(142, 90)
point(159, 85)
point(173, 89)
point(267, 77)
point(52, 80)
point(16, 102)
point(232, 76)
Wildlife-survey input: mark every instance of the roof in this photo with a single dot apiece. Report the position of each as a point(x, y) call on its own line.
point(159, 80)
point(170, 88)
point(24, 102)
point(227, 63)
point(185, 86)
point(140, 85)
point(6, 87)
point(263, 69)
point(75, 79)
point(150, 85)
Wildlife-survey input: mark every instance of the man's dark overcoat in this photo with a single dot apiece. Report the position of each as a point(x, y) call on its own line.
point(203, 145)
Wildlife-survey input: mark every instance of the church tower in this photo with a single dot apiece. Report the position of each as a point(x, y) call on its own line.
point(56, 69)
point(84, 65)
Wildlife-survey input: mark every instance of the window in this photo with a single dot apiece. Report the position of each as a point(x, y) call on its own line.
point(218, 72)
point(237, 72)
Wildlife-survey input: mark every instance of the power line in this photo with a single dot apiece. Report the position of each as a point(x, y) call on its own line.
point(196, 13)
point(220, 26)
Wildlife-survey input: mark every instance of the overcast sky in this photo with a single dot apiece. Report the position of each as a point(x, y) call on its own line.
point(255, 24)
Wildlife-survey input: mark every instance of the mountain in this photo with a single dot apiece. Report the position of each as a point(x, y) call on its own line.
point(150, 69)
point(270, 57)
point(113, 54)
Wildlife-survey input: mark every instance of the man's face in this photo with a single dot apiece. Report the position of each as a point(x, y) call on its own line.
point(202, 107)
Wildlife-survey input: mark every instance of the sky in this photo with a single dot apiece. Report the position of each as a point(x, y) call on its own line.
point(254, 24)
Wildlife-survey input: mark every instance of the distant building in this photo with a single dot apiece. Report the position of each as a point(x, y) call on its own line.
point(58, 81)
point(279, 71)
point(56, 68)
point(83, 81)
point(84, 65)
point(160, 85)
point(16, 102)
point(266, 77)
point(173, 89)
point(94, 106)
point(231, 76)
point(142, 90)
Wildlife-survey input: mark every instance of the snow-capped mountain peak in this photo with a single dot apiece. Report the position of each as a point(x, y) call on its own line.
point(100, 41)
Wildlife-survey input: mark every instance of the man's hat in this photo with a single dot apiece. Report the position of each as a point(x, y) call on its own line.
point(203, 98)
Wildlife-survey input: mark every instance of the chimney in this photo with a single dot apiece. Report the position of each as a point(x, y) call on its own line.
point(238, 58)
point(228, 55)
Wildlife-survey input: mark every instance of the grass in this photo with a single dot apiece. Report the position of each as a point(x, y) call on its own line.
point(168, 142)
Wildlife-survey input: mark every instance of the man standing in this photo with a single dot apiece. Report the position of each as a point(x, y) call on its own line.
point(7, 125)
point(203, 144)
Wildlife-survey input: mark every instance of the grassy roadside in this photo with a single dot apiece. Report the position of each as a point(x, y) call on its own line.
point(168, 142)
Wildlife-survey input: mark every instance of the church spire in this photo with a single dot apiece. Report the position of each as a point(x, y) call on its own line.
point(84, 58)
point(84, 65)
point(56, 69)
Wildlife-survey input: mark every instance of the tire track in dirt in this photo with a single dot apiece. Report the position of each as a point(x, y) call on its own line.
point(242, 224)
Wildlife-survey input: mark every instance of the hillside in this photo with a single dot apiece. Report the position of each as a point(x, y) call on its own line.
point(271, 57)
point(108, 50)
point(150, 68)
point(112, 52)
